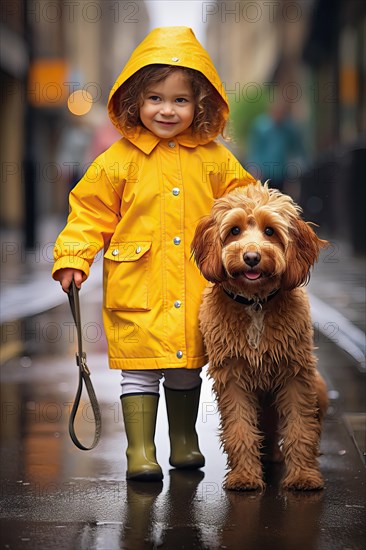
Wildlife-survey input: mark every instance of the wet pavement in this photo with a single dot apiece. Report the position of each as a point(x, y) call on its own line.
point(55, 496)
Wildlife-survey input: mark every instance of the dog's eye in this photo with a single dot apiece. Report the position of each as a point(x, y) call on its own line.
point(235, 230)
point(269, 231)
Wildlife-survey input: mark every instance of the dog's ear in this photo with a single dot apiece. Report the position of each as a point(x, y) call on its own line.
point(302, 252)
point(206, 249)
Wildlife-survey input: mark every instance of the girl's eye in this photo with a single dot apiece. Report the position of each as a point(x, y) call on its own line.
point(181, 100)
point(235, 230)
point(154, 98)
point(269, 231)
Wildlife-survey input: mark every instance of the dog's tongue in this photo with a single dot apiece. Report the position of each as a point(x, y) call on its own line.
point(252, 275)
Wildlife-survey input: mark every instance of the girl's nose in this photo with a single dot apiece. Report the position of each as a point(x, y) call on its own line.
point(167, 109)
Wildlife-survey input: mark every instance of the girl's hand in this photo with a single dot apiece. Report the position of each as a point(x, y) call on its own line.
point(66, 275)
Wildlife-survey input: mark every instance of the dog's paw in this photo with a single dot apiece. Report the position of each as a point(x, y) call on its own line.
point(237, 481)
point(309, 480)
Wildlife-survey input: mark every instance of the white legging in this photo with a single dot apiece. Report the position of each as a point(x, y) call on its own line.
point(148, 381)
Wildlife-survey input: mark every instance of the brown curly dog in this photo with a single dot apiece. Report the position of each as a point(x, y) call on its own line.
point(255, 319)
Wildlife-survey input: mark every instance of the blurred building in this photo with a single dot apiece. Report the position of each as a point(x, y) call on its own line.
point(249, 40)
point(14, 65)
point(256, 47)
point(335, 53)
point(50, 50)
point(311, 54)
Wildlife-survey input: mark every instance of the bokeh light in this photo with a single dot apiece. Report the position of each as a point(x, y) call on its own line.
point(80, 102)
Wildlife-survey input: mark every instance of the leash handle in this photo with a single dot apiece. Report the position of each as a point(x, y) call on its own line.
point(84, 377)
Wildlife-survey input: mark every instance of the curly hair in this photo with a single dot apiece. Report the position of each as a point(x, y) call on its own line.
point(210, 109)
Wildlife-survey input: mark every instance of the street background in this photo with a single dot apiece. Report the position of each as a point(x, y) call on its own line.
point(295, 76)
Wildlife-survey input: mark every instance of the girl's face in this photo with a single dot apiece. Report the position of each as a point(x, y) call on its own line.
point(168, 106)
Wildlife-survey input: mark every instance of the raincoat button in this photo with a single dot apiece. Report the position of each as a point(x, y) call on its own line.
point(177, 303)
point(175, 59)
point(171, 144)
point(179, 354)
point(176, 240)
point(138, 250)
point(115, 252)
point(176, 191)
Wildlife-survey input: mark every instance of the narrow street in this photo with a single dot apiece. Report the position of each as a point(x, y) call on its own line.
point(292, 75)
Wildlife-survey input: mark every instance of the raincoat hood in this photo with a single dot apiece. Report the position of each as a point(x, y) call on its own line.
point(175, 46)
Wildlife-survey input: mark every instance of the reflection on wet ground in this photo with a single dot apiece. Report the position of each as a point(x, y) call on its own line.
point(55, 496)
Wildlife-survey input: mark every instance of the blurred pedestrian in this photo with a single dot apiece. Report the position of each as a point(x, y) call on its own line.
point(141, 200)
point(275, 146)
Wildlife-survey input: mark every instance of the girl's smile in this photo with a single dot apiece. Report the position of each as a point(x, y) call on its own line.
point(168, 108)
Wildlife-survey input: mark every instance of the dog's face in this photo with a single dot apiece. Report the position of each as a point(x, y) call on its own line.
point(255, 242)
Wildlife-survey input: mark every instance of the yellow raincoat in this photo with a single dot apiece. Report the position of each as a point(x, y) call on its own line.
point(140, 201)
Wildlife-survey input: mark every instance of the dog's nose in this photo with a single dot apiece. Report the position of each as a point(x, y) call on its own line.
point(252, 258)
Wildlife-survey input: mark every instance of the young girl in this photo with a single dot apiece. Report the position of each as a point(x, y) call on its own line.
point(140, 201)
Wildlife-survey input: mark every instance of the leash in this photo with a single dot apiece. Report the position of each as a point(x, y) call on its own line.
point(84, 377)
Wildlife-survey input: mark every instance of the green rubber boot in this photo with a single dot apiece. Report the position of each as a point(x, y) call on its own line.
point(139, 414)
point(182, 408)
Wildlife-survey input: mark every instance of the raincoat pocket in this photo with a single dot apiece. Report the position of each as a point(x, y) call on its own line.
point(126, 267)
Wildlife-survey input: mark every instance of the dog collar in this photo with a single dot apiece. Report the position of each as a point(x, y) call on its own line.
point(257, 303)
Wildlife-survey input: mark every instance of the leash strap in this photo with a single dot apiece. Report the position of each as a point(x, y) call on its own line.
point(84, 377)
